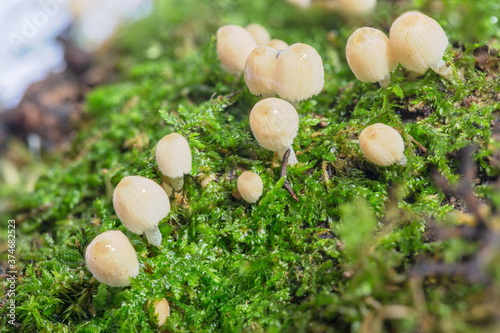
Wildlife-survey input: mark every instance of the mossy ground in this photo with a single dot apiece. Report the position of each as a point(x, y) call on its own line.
point(365, 249)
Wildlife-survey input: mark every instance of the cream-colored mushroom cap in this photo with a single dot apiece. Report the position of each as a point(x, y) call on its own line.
point(418, 41)
point(382, 144)
point(140, 203)
point(259, 71)
point(112, 259)
point(299, 73)
point(234, 44)
point(355, 7)
point(173, 155)
point(300, 3)
point(277, 44)
point(274, 123)
point(369, 55)
point(162, 310)
point(259, 33)
point(250, 186)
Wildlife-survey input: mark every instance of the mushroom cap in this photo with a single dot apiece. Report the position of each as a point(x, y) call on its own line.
point(173, 156)
point(369, 55)
point(162, 310)
point(355, 7)
point(140, 203)
point(300, 3)
point(417, 41)
point(381, 144)
point(259, 71)
point(112, 259)
point(234, 44)
point(250, 186)
point(299, 73)
point(259, 33)
point(274, 123)
point(277, 44)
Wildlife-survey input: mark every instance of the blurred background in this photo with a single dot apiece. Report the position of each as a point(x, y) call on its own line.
point(52, 52)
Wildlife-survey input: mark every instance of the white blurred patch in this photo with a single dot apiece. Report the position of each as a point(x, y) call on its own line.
point(29, 28)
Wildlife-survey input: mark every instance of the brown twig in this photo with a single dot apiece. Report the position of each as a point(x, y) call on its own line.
point(422, 148)
point(286, 185)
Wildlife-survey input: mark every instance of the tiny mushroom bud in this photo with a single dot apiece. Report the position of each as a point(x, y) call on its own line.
point(174, 159)
point(259, 33)
point(369, 56)
point(274, 123)
point(250, 186)
point(259, 71)
point(112, 259)
point(277, 44)
point(141, 204)
point(382, 145)
point(234, 44)
point(418, 42)
point(299, 73)
point(162, 310)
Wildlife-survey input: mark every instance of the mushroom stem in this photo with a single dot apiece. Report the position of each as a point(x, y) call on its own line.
point(292, 159)
point(403, 160)
point(442, 69)
point(154, 236)
point(177, 183)
point(384, 83)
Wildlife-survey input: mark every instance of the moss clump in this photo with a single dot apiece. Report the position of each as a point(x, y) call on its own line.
point(365, 247)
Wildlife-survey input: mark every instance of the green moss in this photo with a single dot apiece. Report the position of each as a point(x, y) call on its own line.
point(322, 264)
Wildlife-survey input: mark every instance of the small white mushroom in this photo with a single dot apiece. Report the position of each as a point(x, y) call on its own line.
point(299, 73)
point(250, 186)
point(418, 42)
point(300, 3)
point(141, 204)
point(111, 258)
point(259, 71)
point(234, 44)
point(382, 145)
point(369, 56)
point(274, 123)
point(259, 33)
point(352, 8)
point(174, 159)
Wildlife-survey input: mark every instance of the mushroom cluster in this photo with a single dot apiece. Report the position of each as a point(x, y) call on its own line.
point(235, 43)
point(295, 74)
point(416, 41)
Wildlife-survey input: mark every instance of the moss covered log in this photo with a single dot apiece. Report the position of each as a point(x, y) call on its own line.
point(411, 248)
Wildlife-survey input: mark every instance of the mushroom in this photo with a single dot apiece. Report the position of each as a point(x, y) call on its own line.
point(162, 310)
point(259, 33)
point(353, 8)
point(418, 42)
point(277, 44)
point(274, 123)
point(234, 44)
point(250, 186)
point(259, 71)
point(299, 73)
point(382, 145)
point(141, 204)
point(300, 3)
point(369, 56)
point(111, 258)
point(174, 159)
